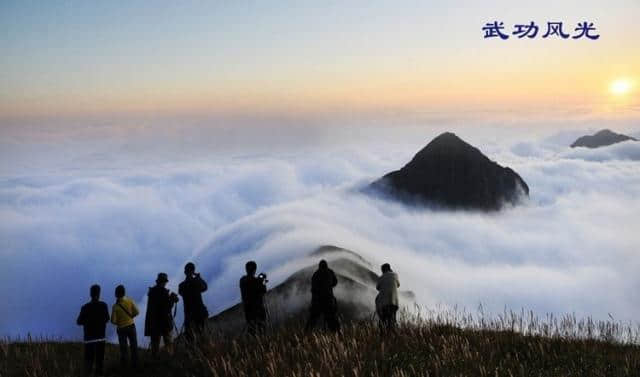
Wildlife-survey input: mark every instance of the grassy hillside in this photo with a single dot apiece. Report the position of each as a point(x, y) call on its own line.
point(420, 348)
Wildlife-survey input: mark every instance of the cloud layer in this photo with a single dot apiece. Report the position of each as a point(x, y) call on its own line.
point(571, 248)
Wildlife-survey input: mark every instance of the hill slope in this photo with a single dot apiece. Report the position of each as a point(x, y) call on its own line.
point(355, 291)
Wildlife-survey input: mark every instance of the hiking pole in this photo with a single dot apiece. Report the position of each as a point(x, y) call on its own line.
point(175, 312)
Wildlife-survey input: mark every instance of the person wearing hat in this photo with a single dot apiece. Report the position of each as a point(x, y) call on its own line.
point(158, 320)
point(122, 315)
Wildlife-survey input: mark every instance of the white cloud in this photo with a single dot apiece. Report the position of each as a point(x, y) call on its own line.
point(571, 248)
point(627, 150)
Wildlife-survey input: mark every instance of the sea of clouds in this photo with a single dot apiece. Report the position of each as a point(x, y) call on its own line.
point(75, 213)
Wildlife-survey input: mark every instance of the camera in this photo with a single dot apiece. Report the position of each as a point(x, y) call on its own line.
point(263, 278)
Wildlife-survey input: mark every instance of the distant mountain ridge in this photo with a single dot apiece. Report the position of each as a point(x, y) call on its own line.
point(601, 139)
point(355, 292)
point(451, 173)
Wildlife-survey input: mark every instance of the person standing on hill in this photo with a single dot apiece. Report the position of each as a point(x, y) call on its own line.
point(322, 300)
point(158, 322)
point(252, 290)
point(93, 317)
point(195, 312)
point(122, 315)
point(387, 298)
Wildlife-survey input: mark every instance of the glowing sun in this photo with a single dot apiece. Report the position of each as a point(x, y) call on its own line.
point(620, 87)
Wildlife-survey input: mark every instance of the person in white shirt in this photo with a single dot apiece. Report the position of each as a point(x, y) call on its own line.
point(387, 298)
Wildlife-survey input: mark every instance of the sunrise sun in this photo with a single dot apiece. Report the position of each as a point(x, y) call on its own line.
point(620, 87)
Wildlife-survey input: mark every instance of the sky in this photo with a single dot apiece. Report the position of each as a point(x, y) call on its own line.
point(75, 59)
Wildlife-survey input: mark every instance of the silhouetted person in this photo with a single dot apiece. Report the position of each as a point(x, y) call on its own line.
point(195, 312)
point(387, 298)
point(158, 322)
point(93, 317)
point(322, 300)
point(252, 289)
point(122, 315)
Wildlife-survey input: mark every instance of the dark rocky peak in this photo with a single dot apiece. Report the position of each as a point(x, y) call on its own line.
point(452, 174)
point(447, 146)
point(601, 139)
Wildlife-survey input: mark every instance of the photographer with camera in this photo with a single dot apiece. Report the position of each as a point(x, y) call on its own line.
point(323, 302)
point(195, 312)
point(253, 289)
point(159, 321)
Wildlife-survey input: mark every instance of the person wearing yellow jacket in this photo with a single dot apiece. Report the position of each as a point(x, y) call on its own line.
point(122, 315)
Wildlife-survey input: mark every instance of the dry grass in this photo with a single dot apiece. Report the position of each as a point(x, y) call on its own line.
point(437, 343)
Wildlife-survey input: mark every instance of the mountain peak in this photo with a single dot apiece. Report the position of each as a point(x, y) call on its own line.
point(448, 144)
point(600, 139)
point(446, 137)
point(604, 132)
point(449, 172)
